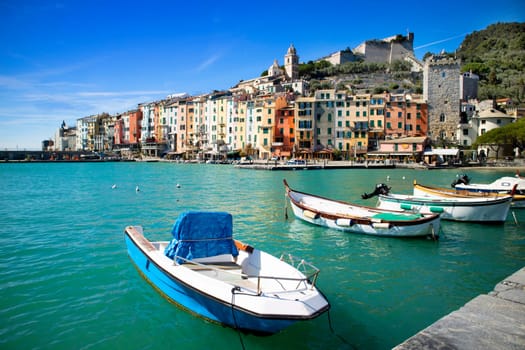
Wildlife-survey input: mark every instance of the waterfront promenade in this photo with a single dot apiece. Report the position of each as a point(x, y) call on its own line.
point(490, 321)
point(315, 165)
point(518, 164)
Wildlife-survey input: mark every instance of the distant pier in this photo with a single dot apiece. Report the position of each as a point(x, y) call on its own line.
point(276, 166)
point(490, 321)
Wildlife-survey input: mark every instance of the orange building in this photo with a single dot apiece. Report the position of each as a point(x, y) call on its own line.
point(284, 131)
point(405, 116)
point(135, 120)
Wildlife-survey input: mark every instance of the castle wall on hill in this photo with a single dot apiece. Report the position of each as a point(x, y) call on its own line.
point(340, 57)
point(386, 50)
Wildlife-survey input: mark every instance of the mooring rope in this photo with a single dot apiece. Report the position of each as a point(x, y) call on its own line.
point(337, 335)
point(234, 318)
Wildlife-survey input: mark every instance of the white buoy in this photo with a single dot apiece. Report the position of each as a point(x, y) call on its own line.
point(403, 177)
point(114, 186)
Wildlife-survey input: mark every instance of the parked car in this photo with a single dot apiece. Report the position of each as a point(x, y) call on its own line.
point(246, 160)
point(294, 161)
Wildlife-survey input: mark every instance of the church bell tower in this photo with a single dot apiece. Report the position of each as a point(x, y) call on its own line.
point(291, 63)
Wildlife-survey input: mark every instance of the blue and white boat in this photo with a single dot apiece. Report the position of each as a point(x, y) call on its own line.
point(206, 271)
point(503, 185)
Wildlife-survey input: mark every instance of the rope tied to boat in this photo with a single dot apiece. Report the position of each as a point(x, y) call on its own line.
point(206, 239)
point(334, 333)
point(236, 326)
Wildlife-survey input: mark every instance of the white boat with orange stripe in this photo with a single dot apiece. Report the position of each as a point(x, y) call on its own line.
point(518, 200)
point(502, 185)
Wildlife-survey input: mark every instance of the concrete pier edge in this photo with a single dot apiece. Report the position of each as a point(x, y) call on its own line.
point(490, 321)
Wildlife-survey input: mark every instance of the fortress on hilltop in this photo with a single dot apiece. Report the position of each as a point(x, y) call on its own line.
point(387, 50)
point(390, 49)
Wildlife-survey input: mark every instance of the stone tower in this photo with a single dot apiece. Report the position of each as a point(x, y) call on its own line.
point(291, 63)
point(441, 90)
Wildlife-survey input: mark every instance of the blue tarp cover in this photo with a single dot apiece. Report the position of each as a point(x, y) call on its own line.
point(200, 234)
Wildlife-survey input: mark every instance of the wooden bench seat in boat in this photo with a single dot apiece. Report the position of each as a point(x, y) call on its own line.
point(217, 265)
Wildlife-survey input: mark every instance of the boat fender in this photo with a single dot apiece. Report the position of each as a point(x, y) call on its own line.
point(436, 209)
point(344, 222)
point(244, 247)
point(381, 225)
point(310, 214)
point(406, 206)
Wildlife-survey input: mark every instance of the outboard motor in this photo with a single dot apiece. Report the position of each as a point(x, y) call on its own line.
point(380, 189)
point(461, 179)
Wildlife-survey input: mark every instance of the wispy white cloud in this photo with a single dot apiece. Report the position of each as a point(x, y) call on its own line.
point(90, 102)
point(207, 63)
point(440, 41)
point(10, 82)
point(30, 117)
point(120, 93)
point(33, 105)
point(38, 78)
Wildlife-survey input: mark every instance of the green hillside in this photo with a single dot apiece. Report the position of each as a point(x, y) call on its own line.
point(497, 55)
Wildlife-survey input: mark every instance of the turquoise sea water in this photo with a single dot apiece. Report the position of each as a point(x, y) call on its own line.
point(67, 282)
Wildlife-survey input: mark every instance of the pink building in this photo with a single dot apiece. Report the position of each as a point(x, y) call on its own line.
point(401, 149)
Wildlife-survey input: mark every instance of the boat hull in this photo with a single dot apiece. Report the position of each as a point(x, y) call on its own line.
point(426, 229)
point(503, 185)
point(487, 211)
point(353, 218)
point(518, 200)
point(226, 307)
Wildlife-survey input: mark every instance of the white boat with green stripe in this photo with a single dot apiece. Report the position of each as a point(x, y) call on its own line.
point(486, 210)
point(355, 218)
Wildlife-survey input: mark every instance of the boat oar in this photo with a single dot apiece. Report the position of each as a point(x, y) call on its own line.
point(512, 193)
point(286, 189)
point(285, 207)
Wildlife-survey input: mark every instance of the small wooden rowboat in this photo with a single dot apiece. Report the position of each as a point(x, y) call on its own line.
point(207, 272)
point(518, 200)
point(354, 218)
point(503, 185)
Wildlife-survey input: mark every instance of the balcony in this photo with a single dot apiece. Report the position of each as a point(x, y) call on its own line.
point(377, 129)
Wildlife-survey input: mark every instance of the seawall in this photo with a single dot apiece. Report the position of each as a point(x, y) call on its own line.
point(490, 321)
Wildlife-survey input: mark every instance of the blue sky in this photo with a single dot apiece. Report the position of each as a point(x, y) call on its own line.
point(65, 60)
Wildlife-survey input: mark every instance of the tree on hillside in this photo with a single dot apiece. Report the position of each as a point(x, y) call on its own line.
point(516, 133)
point(493, 139)
point(400, 66)
point(510, 134)
point(497, 55)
